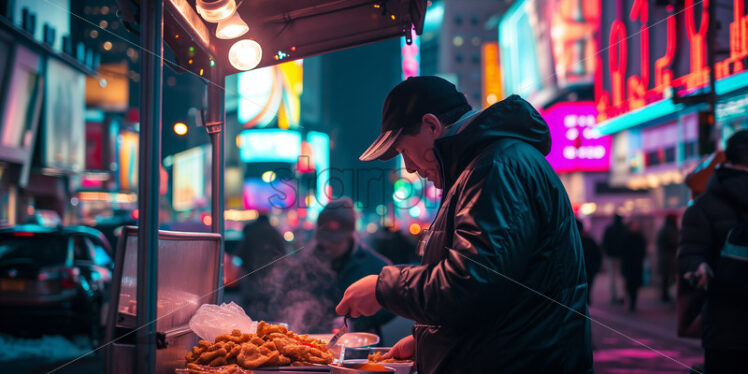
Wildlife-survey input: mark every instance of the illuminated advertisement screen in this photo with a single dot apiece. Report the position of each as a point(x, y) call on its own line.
point(189, 187)
point(127, 146)
point(263, 196)
point(548, 44)
point(411, 58)
point(519, 49)
point(269, 145)
point(269, 93)
point(576, 145)
point(23, 98)
point(64, 108)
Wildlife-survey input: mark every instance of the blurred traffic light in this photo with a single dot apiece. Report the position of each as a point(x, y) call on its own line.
point(707, 144)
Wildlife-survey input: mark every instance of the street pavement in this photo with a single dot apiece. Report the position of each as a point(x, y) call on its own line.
point(642, 342)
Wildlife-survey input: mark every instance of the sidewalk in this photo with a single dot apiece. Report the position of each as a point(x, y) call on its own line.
point(640, 342)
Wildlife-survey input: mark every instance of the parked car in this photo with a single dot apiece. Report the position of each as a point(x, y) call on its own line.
point(54, 279)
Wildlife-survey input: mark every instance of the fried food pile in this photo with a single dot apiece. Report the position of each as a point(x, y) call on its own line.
point(377, 357)
point(272, 345)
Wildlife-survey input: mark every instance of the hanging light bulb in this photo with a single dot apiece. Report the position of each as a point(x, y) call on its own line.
point(245, 54)
point(232, 27)
point(215, 10)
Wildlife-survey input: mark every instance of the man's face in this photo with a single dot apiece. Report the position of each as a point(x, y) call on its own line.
point(418, 149)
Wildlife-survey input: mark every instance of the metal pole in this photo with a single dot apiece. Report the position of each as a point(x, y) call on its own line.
point(151, 69)
point(216, 117)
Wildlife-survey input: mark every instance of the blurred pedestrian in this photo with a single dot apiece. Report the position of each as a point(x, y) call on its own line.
point(317, 280)
point(592, 258)
point(504, 233)
point(613, 246)
point(667, 245)
point(261, 245)
point(632, 262)
point(717, 262)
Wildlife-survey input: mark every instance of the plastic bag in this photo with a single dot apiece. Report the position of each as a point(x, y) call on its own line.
point(212, 320)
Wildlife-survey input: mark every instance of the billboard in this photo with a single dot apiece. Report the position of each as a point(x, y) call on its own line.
point(23, 98)
point(652, 51)
point(264, 196)
point(491, 84)
point(189, 177)
point(127, 148)
point(269, 145)
point(577, 146)
point(269, 93)
point(64, 109)
point(547, 45)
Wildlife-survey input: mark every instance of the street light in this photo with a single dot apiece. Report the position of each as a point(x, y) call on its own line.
point(231, 28)
point(215, 10)
point(245, 54)
point(180, 128)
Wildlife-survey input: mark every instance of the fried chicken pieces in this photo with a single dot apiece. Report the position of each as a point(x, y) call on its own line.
point(272, 345)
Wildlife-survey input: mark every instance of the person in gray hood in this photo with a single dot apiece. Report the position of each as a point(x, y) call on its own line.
point(501, 287)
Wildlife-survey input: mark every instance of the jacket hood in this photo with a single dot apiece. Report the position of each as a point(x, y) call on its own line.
point(512, 117)
point(730, 184)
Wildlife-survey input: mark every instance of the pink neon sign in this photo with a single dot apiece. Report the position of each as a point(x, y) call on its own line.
point(576, 146)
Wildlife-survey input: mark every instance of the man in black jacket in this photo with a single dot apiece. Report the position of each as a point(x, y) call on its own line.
point(501, 287)
point(703, 233)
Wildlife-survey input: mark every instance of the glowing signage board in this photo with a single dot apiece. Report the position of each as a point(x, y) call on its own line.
point(264, 197)
point(269, 93)
point(644, 58)
point(189, 178)
point(411, 58)
point(269, 145)
point(577, 146)
point(547, 45)
point(491, 86)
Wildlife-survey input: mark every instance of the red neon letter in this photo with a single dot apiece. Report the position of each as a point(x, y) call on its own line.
point(663, 75)
point(638, 85)
point(699, 72)
point(617, 60)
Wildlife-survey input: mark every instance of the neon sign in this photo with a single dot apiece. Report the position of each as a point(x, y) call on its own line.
point(629, 77)
point(492, 91)
point(411, 60)
point(577, 146)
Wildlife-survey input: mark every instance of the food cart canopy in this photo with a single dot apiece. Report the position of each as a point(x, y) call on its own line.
point(285, 29)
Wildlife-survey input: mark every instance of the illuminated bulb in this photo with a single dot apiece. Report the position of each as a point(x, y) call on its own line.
point(180, 128)
point(245, 54)
point(288, 235)
point(215, 10)
point(268, 176)
point(231, 28)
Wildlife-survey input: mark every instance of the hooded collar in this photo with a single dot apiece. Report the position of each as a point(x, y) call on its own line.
point(512, 117)
point(730, 183)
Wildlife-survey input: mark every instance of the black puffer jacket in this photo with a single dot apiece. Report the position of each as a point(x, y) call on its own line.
point(504, 233)
point(704, 229)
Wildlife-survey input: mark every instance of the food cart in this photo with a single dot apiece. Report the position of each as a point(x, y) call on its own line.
point(154, 281)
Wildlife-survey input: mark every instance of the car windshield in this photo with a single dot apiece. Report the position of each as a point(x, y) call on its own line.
point(37, 250)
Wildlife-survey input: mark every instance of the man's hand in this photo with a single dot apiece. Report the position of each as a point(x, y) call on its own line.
point(360, 298)
point(405, 349)
point(701, 277)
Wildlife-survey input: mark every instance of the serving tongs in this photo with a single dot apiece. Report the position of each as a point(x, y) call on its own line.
point(341, 332)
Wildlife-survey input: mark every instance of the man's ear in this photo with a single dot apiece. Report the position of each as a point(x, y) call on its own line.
point(431, 122)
